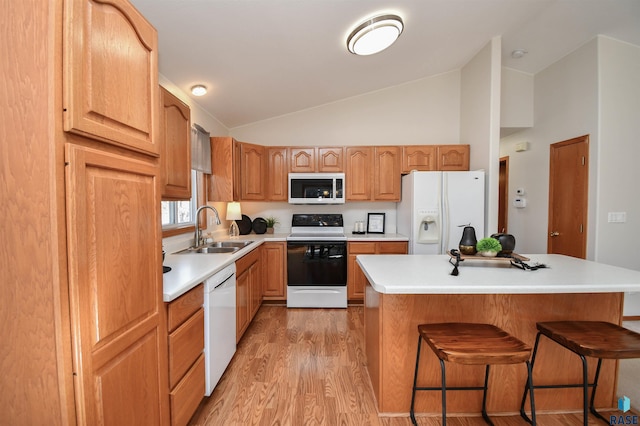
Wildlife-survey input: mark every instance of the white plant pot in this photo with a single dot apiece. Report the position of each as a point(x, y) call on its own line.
point(488, 253)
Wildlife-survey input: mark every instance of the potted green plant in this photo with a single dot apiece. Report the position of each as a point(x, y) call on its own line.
point(488, 247)
point(271, 222)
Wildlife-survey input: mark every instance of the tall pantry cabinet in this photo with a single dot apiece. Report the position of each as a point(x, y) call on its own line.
point(89, 338)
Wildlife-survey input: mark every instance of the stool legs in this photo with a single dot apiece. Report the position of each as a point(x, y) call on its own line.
point(587, 405)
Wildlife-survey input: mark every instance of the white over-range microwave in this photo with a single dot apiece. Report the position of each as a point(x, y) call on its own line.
point(316, 188)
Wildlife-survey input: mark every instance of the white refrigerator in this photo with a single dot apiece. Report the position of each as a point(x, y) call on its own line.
point(436, 206)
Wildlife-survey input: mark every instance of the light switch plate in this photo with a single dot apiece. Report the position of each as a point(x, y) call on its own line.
point(617, 217)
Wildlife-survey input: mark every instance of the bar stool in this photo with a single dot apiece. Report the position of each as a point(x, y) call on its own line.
point(471, 344)
point(594, 339)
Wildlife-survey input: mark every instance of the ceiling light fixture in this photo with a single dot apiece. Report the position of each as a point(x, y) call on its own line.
point(199, 90)
point(518, 53)
point(375, 34)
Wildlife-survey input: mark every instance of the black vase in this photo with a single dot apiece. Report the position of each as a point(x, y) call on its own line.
point(507, 241)
point(468, 241)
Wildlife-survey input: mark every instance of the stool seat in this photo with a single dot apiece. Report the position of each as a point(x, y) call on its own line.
point(472, 343)
point(596, 339)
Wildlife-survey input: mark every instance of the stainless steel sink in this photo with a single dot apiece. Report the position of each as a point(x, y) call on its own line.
point(217, 247)
point(236, 244)
point(216, 250)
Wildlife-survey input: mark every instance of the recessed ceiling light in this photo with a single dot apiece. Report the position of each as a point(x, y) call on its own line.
point(375, 34)
point(199, 90)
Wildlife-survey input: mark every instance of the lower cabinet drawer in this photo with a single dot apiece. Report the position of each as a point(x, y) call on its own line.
point(186, 396)
point(185, 344)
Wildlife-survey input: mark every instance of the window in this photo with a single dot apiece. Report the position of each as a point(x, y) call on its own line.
point(177, 214)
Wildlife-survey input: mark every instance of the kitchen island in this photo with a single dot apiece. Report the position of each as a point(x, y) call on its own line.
point(404, 291)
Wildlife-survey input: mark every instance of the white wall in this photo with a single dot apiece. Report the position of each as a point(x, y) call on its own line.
point(516, 100)
point(425, 111)
point(480, 121)
point(565, 106)
point(618, 171)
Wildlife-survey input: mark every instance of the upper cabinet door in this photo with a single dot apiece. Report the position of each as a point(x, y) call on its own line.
point(418, 157)
point(359, 165)
point(176, 147)
point(303, 160)
point(330, 159)
point(110, 74)
point(453, 157)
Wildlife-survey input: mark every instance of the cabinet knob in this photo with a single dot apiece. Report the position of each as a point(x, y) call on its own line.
point(554, 234)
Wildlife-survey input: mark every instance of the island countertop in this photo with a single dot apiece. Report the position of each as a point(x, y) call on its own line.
point(431, 274)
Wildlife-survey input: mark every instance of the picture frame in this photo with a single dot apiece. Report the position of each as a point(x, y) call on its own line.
point(375, 223)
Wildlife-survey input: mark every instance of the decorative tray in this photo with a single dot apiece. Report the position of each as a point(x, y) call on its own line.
point(514, 259)
point(508, 258)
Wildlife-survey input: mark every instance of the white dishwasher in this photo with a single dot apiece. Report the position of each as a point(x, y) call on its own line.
point(219, 324)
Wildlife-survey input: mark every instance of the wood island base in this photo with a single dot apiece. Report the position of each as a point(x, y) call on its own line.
point(391, 337)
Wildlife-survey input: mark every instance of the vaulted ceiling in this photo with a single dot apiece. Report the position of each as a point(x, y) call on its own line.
point(265, 58)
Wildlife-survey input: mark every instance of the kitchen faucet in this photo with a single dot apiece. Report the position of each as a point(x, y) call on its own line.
point(197, 236)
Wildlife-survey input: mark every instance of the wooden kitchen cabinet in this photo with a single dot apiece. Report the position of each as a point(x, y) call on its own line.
point(175, 159)
point(302, 159)
point(185, 324)
point(373, 173)
point(238, 171)
point(248, 290)
point(453, 158)
point(274, 270)
point(252, 171)
point(277, 172)
point(356, 280)
point(316, 159)
point(110, 77)
point(115, 287)
point(358, 170)
point(387, 178)
point(418, 157)
point(330, 159)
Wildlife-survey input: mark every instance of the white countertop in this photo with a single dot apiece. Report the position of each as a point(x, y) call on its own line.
point(431, 274)
point(189, 270)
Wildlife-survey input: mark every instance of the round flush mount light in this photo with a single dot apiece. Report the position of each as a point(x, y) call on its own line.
point(375, 34)
point(518, 53)
point(199, 90)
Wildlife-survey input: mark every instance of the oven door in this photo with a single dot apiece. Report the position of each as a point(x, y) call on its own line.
point(316, 263)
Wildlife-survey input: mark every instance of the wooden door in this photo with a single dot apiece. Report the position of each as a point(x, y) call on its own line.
point(358, 173)
point(503, 195)
point(387, 178)
point(568, 197)
point(303, 160)
point(277, 171)
point(110, 74)
point(330, 159)
point(115, 289)
point(274, 270)
point(175, 131)
point(252, 171)
point(418, 157)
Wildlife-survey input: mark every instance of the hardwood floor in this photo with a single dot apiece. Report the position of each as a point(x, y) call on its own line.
point(307, 367)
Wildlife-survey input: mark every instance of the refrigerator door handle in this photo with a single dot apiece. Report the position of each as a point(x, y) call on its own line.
point(444, 229)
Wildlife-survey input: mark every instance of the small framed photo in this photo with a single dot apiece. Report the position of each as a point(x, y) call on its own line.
point(375, 223)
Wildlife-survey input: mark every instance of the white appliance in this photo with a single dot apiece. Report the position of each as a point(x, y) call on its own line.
point(436, 206)
point(219, 324)
point(316, 188)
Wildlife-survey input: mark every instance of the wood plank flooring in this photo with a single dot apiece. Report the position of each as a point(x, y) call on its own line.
point(307, 367)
